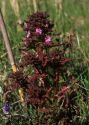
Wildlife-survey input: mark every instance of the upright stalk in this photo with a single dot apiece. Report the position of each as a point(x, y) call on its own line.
point(7, 42)
point(9, 50)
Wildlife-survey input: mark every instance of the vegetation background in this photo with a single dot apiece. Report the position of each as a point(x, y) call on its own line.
point(68, 16)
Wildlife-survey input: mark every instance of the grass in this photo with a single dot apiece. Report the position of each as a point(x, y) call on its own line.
point(72, 16)
point(68, 16)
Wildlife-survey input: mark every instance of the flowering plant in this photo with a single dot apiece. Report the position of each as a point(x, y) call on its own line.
point(44, 75)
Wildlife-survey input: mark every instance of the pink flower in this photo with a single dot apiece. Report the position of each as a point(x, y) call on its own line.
point(39, 31)
point(47, 40)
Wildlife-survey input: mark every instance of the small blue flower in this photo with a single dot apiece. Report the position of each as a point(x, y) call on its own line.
point(6, 108)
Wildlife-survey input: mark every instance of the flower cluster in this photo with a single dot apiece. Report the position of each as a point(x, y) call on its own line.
point(38, 28)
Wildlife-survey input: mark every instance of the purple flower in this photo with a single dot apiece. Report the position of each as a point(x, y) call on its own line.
point(47, 40)
point(6, 108)
point(39, 31)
